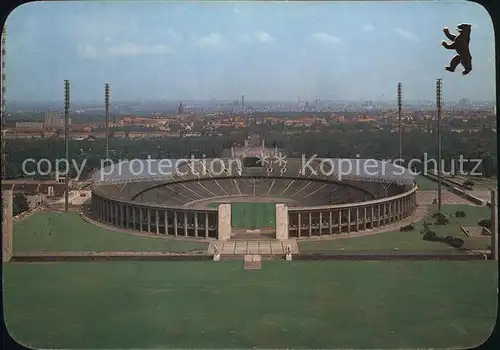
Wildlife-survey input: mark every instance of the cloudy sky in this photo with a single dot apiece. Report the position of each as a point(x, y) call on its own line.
point(268, 51)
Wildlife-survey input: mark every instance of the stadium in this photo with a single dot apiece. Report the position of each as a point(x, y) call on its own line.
point(253, 191)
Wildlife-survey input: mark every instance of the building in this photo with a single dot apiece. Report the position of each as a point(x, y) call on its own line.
point(464, 103)
point(54, 120)
point(29, 125)
point(36, 191)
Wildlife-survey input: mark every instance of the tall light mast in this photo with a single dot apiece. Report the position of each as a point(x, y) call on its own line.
point(3, 101)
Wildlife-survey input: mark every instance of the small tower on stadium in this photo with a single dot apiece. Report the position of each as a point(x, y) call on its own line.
point(66, 142)
point(438, 107)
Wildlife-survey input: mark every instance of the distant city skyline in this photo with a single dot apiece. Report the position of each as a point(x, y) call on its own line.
point(247, 102)
point(265, 51)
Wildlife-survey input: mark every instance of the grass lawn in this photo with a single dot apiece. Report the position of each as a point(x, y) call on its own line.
point(425, 184)
point(411, 241)
point(48, 231)
point(321, 304)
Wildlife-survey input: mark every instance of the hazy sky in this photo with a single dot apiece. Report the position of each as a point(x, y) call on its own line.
point(181, 51)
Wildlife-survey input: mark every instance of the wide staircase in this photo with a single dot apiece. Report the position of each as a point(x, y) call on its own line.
point(253, 235)
point(266, 247)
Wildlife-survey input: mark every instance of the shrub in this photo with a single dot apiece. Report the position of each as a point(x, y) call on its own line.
point(442, 220)
point(460, 214)
point(445, 239)
point(430, 236)
point(438, 216)
point(407, 228)
point(455, 242)
point(485, 223)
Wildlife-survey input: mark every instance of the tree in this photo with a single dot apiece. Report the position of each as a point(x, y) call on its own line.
point(19, 203)
point(487, 165)
point(378, 144)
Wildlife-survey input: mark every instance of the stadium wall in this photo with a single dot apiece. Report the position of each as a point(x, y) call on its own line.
point(203, 223)
point(355, 217)
point(156, 219)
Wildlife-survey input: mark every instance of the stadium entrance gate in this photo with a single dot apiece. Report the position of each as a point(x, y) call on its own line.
point(250, 215)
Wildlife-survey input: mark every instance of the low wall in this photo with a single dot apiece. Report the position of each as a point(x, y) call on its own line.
point(142, 256)
point(26, 213)
point(467, 196)
point(76, 258)
point(464, 230)
point(399, 256)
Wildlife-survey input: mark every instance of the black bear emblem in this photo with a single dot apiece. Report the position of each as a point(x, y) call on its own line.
point(460, 43)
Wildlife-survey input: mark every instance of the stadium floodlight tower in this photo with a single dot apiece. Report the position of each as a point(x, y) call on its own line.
point(106, 102)
point(438, 106)
point(3, 101)
point(494, 224)
point(66, 143)
point(399, 122)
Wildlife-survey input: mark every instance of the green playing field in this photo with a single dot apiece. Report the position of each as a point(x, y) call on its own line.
point(252, 215)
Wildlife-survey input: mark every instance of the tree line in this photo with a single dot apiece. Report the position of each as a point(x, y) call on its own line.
point(368, 144)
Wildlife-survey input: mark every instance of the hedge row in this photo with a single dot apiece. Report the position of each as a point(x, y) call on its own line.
point(431, 236)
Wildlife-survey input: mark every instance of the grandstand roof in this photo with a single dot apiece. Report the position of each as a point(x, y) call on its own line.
point(319, 168)
point(372, 170)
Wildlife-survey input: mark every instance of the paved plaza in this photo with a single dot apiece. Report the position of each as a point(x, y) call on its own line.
point(485, 195)
point(426, 197)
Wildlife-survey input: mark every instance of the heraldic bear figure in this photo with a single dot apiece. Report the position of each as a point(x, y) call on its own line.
point(460, 43)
